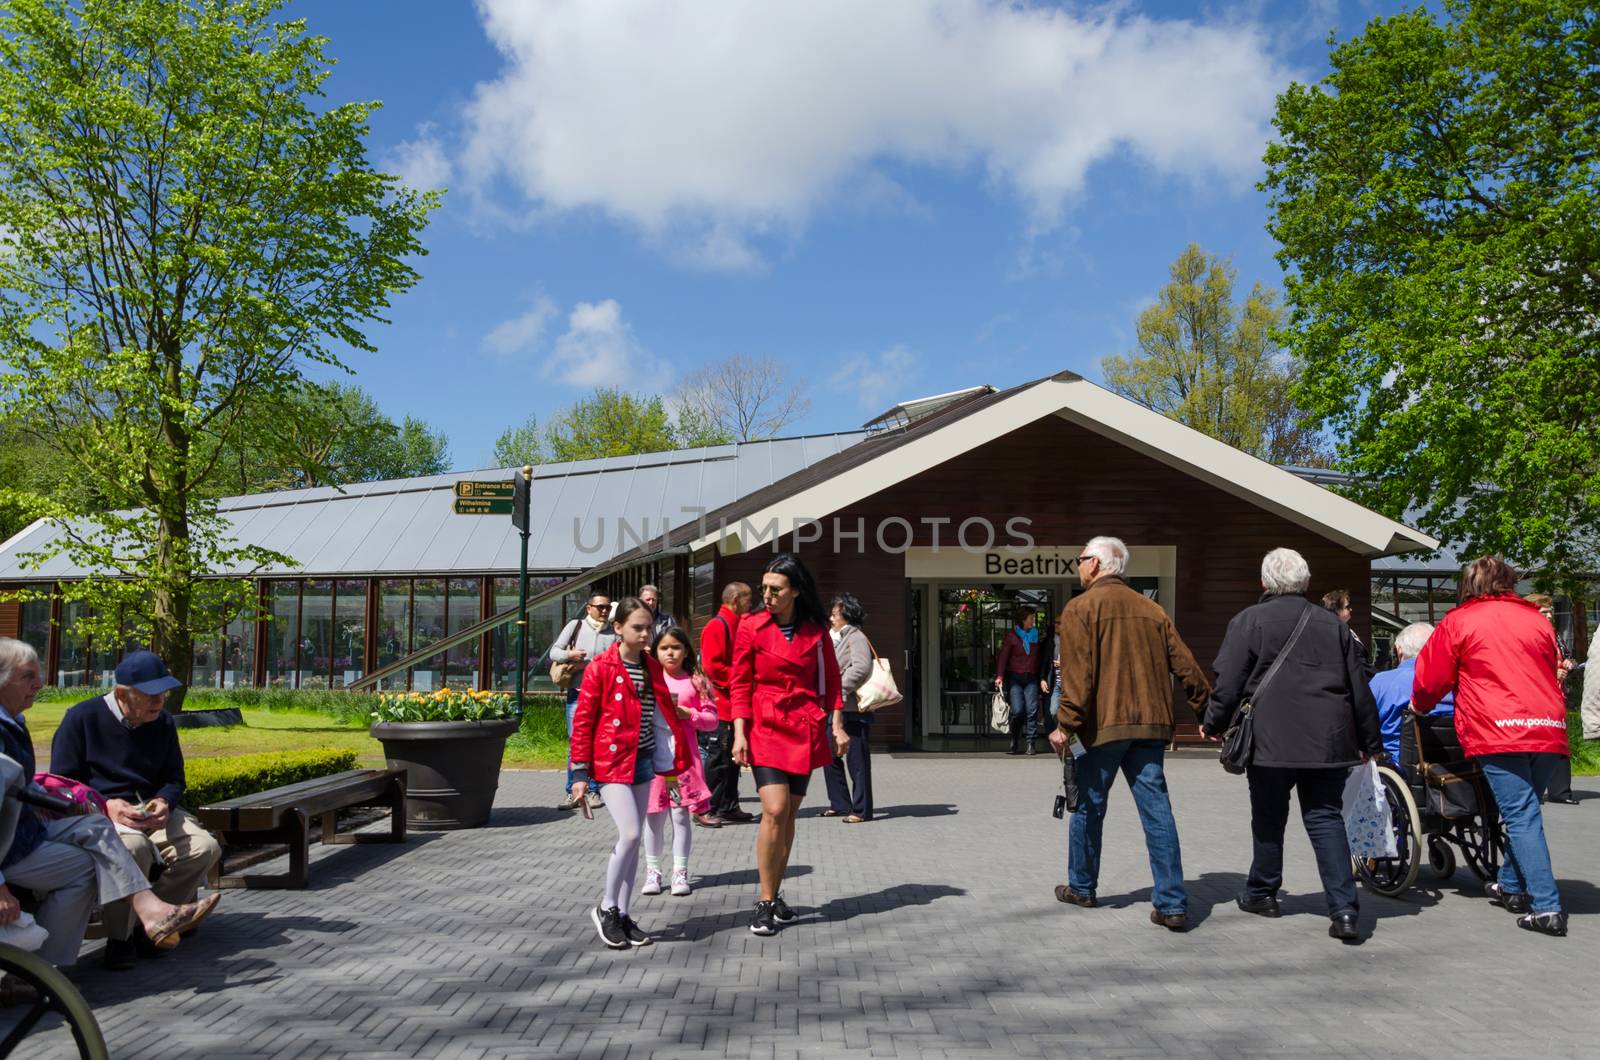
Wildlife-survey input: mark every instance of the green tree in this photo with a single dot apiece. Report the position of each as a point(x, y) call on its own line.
point(610, 422)
point(1437, 199)
point(517, 446)
point(1215, 366)
point(188, 228)
point(336, 434)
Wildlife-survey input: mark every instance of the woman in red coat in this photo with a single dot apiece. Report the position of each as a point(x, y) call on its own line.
point(621, 739)
point(785, 690)
point(1499, 656)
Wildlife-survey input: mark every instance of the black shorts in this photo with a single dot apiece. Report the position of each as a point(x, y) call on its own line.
point(798, 782)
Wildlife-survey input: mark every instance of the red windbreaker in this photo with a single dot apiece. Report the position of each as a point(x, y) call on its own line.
point(716, 657)
point(605, 725)
point(1499, 655)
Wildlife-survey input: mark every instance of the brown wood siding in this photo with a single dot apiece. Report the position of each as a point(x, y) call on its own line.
point(10, 618)
point(1072, 484)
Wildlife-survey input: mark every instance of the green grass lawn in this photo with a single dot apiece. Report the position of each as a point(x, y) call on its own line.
point(541, 743)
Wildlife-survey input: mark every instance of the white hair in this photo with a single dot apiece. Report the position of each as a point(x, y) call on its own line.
point(1283, 570)
point(1110, 551)
point(1409, 641)
point(14, 653)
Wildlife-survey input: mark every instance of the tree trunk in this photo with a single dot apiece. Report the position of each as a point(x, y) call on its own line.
point(170, 634)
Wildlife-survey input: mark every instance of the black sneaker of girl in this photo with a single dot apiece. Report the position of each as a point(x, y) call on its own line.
point(631, 932)
point(609, 923)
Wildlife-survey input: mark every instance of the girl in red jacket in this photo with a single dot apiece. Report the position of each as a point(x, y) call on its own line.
point(785, 689)
point(621, 740)
point(1499, 656)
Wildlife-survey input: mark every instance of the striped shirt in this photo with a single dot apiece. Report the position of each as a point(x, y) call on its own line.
point(787, 631)
point(647, 705)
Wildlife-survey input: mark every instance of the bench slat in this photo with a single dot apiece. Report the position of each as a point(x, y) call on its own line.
point(265, 810)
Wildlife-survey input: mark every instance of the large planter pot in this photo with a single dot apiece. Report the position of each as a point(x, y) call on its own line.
point(452, 769)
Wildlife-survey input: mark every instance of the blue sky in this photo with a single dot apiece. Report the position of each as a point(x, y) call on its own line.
point(895, 199)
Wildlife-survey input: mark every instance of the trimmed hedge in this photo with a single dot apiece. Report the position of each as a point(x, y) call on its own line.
point(215, 779)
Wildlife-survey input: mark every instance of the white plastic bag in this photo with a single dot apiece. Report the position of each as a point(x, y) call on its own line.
point(999, 714)
point(1368, 821)
point(24, 933)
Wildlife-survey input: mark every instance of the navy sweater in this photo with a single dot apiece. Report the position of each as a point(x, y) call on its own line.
point(16, 744)
point(94, 747)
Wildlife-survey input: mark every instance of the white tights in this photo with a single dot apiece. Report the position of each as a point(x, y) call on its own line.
point(626, 804)
point(682, 838)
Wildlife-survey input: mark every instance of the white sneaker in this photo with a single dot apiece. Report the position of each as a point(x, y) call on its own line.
point(568, 803)
point(595, 801)
point(652, 882)
point(680, 883)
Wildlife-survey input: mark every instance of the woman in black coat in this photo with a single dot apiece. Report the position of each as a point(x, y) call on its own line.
point(1316, 720)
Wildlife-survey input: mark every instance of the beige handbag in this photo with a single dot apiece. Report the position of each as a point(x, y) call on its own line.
point(879, 689)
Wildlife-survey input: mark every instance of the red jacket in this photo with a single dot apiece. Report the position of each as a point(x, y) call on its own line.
point(1499, 655)
point(1016, 661)
point(605, 725)
point(777, 687)
point(716, 657)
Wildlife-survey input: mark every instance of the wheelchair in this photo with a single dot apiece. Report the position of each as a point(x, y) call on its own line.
point(1440, 803)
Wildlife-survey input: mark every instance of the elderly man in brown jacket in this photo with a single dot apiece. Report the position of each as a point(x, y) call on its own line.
point(1119, 653)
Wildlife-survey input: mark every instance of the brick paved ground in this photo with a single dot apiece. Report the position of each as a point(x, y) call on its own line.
point(931, 932)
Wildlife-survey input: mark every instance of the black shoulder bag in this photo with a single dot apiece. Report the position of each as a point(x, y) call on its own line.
point(1239, 742)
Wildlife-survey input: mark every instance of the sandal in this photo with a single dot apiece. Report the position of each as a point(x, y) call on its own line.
point(165, 934)
point(833, 813)
point(853, 819)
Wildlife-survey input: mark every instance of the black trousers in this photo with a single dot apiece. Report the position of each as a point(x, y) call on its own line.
point(722, 773)
point(1321, 802)
point(1560, 786)
point(856, 796)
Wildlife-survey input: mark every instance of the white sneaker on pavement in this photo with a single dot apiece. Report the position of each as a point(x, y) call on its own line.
point(652, 882)
point(680, 883)
point(595, 801)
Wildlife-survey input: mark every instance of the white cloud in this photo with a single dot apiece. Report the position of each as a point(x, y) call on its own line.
point(421, 164)
point(522, 333)
point(877, 382)
point(599, 349)
point(712, 124)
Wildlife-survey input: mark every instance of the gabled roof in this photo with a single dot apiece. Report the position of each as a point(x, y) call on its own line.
point(408, 526)
point(890, 457)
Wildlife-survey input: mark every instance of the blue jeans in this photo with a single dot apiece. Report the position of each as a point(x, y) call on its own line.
point(572, 708)
point(1141, 762)
point(1023, 695)
point(1517, 780)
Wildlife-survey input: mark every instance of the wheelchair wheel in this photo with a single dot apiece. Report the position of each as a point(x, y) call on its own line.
point(1441, 859)
point(1482, 843)
point(56, 995)
point(1391, 876)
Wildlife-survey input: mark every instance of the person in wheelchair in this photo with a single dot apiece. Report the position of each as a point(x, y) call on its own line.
point(72, 863)
point(1392, 690)
point(1497, 654)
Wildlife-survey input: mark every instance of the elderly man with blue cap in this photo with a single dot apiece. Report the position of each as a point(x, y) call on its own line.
point(125, 745)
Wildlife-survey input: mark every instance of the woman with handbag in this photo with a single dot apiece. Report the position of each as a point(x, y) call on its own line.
point(855, 656)
point(1291, 674)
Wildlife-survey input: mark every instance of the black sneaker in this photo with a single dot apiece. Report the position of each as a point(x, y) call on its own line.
point(781, 911)
point(1513, 903)
point(631, 932)
point(764, 924)
point(1544, 923)
point(609, 923)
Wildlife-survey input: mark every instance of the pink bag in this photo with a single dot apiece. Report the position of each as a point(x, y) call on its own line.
point(88, 799)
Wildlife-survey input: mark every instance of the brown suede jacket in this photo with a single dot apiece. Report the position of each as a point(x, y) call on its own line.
point(1119, 653)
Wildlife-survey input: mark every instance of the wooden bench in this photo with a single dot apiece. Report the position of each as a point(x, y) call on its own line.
point(281, 816)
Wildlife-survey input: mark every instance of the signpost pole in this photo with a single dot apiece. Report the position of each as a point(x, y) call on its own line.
point(519, 518)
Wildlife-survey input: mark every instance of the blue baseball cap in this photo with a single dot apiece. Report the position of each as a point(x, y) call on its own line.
point(143, 671)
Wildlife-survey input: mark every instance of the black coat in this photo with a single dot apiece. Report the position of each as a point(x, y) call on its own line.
point(1318, 711)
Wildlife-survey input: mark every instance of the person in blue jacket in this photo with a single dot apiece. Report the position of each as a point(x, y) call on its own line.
point(1392, 688)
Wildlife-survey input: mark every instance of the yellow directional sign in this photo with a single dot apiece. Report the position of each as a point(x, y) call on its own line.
point(500, 491)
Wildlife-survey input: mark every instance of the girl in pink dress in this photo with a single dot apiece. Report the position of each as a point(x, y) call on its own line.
point(685, 794)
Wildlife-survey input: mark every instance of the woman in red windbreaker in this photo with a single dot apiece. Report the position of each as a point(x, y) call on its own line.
point(786, 700)
point(621, 739)
point(1498, 654)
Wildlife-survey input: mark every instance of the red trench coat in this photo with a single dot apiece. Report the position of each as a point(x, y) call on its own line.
point(605, 726)
point(778, 689)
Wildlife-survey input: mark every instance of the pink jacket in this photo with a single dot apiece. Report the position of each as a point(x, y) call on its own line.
point(692, 786)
